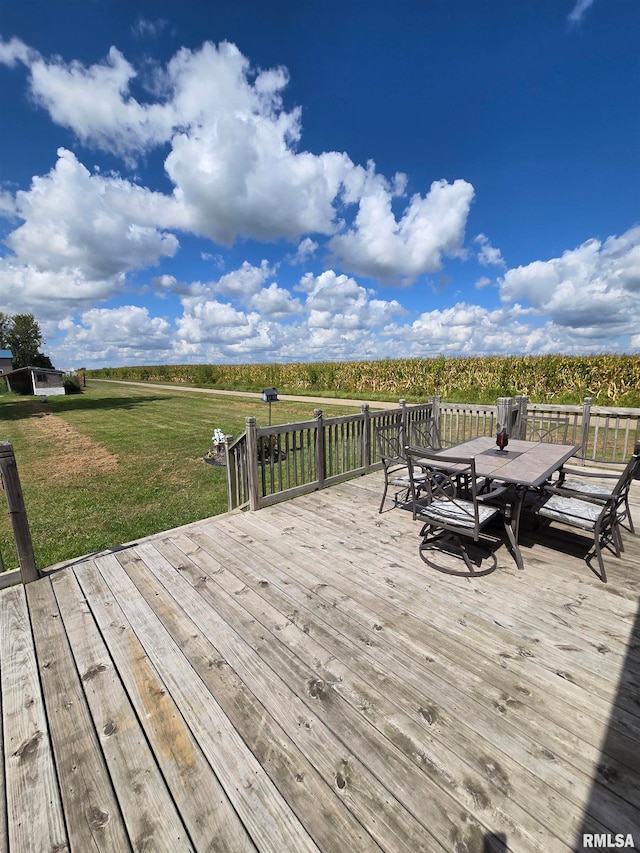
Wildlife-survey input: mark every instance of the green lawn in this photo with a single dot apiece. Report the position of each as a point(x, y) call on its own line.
point(117, 463)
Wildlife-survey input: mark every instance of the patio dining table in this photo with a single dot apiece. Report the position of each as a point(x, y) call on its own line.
point(522, 465)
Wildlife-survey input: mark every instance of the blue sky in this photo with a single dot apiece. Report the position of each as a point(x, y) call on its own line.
point(304, 181)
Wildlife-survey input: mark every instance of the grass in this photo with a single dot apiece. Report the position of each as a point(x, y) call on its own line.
point(117, 463)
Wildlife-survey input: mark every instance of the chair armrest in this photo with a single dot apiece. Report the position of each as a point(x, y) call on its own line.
point(486, 497)
point(580, 496)
point(579, 472)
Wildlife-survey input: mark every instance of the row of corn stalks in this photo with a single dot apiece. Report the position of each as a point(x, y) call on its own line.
point(612, 380)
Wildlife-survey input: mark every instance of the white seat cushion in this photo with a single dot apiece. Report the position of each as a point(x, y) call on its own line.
point(457, 512)
point(405, 480)
point(588, 488)
point(571, 511)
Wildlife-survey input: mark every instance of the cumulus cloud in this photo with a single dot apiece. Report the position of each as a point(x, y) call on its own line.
point(101, 334)
point(306, 250)
point(465, 329)
point(94, 102)
point(380, 246)
point(235, 168)
point(338, 302)
point(101, 227)
point(210, 330)
point(593, 286)
point(245, 281)
point(275, 302)
point(26, 289)
point(234, 162)
point(488, 255)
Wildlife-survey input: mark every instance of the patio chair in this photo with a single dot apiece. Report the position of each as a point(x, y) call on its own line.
point(424, 433)
point(450, 515)
point(578, 481)
point(390, 442)
point(548, 429)
point(600, 514)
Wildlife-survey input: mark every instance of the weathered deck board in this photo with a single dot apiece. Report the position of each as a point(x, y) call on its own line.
point(386, 622)
point(34, 815)
point(298, 679)
point(205, 809)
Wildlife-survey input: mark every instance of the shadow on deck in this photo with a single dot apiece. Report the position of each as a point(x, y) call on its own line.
point(297, 679)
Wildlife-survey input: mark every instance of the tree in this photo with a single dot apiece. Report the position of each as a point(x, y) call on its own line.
point(5, 325)
point(23, 337)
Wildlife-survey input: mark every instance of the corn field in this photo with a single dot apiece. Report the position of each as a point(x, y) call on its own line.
point(612, 380)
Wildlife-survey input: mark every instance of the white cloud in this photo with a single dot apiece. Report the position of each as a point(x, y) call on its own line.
point(594, 286)
point(126, 335)
point(14, 51)
point(237, 169)
point(100, 227)
point(472, 330)
point(339, 302)
point(7, 205)
point(306, 250)
point(245, 281)
point(576, 16)
point(210, 321)
point(488, 255)
point(274, 302)
point(51, 294)
point(95, 103)
point(234, 158)
point(144, 28)
point(382, 247)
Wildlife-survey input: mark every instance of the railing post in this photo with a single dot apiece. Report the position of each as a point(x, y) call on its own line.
point(435, 400)
point(320, 460)
point(504, 407)
point(231, 475)
point(520, 416)
point(252, 464)
point(18, 513)
point(366, 437)
point(586, 417)
point(403, 416)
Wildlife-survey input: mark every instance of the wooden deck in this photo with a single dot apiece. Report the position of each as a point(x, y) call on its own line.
point(297, 679)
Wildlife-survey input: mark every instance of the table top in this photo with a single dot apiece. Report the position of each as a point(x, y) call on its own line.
point(525, 463)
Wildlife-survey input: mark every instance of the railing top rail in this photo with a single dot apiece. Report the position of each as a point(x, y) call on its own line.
point(615, 411)
point(467, 407)
point(242, 437)
point(278, 429)
point(556, 407)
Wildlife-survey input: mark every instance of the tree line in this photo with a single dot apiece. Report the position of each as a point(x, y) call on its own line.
point(21, 333)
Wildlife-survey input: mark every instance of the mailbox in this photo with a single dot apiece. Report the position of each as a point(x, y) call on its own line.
point(270, 395)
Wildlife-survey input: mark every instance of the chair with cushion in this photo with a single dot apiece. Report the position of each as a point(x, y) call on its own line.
point(598, 513)
point(448, 512)
point(547, 428)
point(582, 482)
point(424, 433)
point(390, 443)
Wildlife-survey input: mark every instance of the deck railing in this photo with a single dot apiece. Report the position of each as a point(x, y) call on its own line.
point(268, 464)
point(605, 435)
